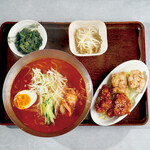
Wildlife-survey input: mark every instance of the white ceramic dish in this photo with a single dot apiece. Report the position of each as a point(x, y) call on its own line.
point(126, 66)
point(31, 24)
point(95, 23)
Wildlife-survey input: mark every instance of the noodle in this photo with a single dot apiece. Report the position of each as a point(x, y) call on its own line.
point(60, 81)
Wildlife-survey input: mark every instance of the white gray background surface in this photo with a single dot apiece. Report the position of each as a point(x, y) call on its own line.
point(89, 138)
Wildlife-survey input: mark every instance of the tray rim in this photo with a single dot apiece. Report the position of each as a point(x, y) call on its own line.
point(142, 58)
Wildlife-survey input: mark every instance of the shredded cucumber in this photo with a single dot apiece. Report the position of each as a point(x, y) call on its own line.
point(48, 110)
point(132, 96)
point(127, 74)
point(103, 115)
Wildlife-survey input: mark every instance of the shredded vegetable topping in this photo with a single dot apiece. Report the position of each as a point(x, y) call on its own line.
point(51, 89)
point(88, 40)
point(102, 116)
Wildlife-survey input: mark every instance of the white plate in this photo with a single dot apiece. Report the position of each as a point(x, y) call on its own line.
point(31, 24)
point(95, 23)
point(126, 66)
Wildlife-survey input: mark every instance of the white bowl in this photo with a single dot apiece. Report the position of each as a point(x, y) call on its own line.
point(95, 23)
point(31, 24)
point(126, 67)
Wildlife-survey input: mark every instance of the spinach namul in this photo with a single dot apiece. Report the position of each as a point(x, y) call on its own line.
point(28, 41)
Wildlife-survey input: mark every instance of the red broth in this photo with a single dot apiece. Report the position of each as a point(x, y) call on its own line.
point(31, 118)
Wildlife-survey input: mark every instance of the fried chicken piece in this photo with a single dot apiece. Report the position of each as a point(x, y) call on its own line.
point(119, 83)
point(122, 105)
point(120, 90)
point(136, 80)
point(103, 102)
point(110, 113)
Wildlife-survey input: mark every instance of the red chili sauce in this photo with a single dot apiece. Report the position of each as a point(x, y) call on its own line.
point(112, 104)
point(31, 118)
point(104, 102)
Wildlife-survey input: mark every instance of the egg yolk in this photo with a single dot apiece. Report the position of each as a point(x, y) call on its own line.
point(21, 101)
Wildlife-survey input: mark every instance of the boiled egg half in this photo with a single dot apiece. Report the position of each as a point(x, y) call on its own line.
point(24, 99)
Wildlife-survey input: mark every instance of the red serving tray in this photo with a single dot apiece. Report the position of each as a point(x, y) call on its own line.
point(126, 41)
